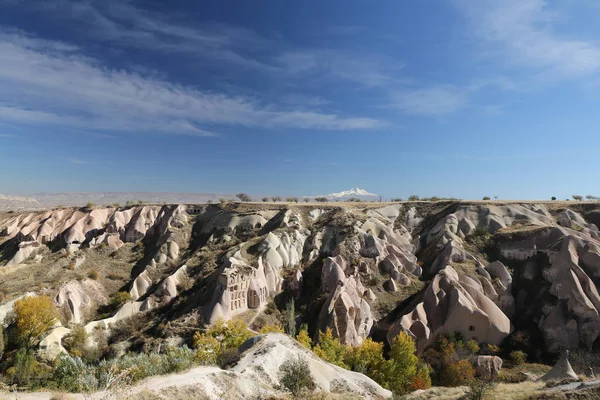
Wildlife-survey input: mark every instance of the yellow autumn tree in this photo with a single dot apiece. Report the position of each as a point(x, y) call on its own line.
point(34, 316)
point(268, 328)
point(219, 337)
point(366, 358)
point(304, 338)
point(330, 349)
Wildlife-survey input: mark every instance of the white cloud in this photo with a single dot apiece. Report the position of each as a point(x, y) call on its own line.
point(47, 82)
point(368, 70)
point(524, 33)
point(75, 161)
point(431, 101)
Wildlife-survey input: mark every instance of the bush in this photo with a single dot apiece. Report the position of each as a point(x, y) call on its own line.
point(422, 378)
point(265, 199)
point(517, 357)
point(275, 199)
point(74, 375)
point(577, 197)
point(67, 372)
point(23, 368)
point(553, 198)
point(34, 316)
point(268, 328)
point(490, 350)
point(219, 338)
point(74, 342)
point(458, 373)
point(120, 298)
point(295, 376)
point(321, 199)
point(478, 390)
point(413, 197)
point(90, 205)
point(472, 346)
point(486, 198)
point(93, 275)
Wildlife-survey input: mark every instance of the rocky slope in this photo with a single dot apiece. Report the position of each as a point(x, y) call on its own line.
point(362, 269)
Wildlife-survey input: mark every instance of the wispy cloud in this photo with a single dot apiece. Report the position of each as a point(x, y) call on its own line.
point(431, 101)
point(523, 33)
point(123, 24)
point(6, 135)
point(75, 161)
point(443, 99)
point(367, 70)
point(49, 83)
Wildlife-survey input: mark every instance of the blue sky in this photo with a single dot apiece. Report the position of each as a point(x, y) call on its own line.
point(458, 98)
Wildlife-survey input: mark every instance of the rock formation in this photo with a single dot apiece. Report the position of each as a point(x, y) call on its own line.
point(453, 303)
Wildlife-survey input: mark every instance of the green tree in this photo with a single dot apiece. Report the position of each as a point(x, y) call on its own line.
point(243, 197)
point(577, 197)
point(290, 318)
point(486, 198)
point(34, 316)
point(24, 368)
point(401, 368)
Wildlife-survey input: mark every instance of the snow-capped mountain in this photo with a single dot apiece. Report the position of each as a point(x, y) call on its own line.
point(354, 192)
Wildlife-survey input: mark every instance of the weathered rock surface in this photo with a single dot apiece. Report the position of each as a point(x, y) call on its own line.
point(453, 303)
point(488, 367)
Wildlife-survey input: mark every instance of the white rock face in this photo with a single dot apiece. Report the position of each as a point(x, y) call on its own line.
point(79, 296)
point(51, 346)
point(467, 218)
point(262, 362)
point(449, 301)
point(345, 311)
point(141, 285)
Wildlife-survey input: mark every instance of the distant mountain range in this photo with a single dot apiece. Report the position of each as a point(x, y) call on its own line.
point(50, 200)
point(354, 192)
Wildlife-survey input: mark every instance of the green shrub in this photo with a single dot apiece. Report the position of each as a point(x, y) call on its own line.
point(120, 298)
point(93, 275)
point(478, 390)
point(295, 376)
point(517, 357)
point(458, 373)
point(23, 369)
point(218, 339)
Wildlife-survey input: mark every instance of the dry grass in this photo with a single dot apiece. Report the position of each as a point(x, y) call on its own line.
point(515, 391)
point(438, 393)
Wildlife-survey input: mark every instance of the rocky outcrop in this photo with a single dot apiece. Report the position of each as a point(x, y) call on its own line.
point(262, 357)
point(561, 371)
point(488, 367)
point(346, 311)
point(453, 303)
point(467, 218)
